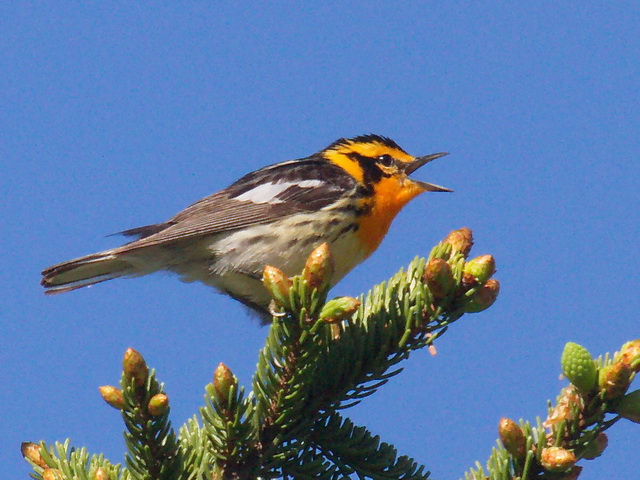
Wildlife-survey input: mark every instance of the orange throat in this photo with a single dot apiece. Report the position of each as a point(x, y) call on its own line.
point(391, 195)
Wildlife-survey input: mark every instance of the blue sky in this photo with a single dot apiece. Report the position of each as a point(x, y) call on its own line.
point(120, 114)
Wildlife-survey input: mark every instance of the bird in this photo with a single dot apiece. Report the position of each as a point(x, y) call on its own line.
point(345, 195)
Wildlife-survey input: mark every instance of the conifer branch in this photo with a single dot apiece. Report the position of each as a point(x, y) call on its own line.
point(575, 426)
point(154, 453)
point(322, 357)
point(357, 452)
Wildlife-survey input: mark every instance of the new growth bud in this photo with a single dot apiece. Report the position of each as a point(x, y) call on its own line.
point(557, 459)
point(51, 474)
point(223, 380)
point(578, 367)
point(481, 267)
point(630, 355)
point(512, 437)
point(112, 395)
point(277, 283)
point(31, 451)
point(101, 474)
point(460, 240)
point(135, 367)
point(570, 403)
point(318, 269)
point(614, 380)
point(439, 278)
point(484, 297)
point(339, 309)
point(158, 405)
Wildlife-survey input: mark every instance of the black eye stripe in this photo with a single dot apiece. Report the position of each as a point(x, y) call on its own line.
point(370, 169)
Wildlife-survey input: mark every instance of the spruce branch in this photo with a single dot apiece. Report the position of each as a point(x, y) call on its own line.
point(153, 448)
point(230, 436)
point(355, 451)
point(61, 461)
point(575, 425)
point(322, 357)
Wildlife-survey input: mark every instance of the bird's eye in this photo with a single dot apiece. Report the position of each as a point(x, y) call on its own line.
point(386, 160)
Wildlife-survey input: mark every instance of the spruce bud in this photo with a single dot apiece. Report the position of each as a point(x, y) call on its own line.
point(461, 240)
point(135, 367)
point(278, 284)
point(439, 278)
point(630, 355)
point(512, 437)
point(569, 404)
point(557, 459)
point(481, 267)
point(339, 309)
point(578, 367)
point(31, 451)
point(614, 380)
point(101, 474)
point(467, 283)
point(223, 380)
point(318, 269)
point(51, 474)
point(595, 448)
point(158, 405)
point(113, 396)
point(484, 297)
point(629, 406)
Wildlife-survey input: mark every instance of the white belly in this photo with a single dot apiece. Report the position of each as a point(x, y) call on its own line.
point(233, 262)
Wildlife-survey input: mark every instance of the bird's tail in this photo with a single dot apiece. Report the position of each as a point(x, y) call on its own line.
point(85, 271)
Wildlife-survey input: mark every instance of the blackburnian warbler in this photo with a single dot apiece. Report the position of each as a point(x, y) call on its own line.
point(346, 195)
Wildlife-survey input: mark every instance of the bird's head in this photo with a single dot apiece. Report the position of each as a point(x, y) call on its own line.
point(376, 161)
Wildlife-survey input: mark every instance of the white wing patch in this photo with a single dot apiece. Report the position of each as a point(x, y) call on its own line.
point(267, 192)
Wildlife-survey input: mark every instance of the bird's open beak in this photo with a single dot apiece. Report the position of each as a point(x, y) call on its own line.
point(419, 162)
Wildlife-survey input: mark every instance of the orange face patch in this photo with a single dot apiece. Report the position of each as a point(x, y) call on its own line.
point(391, 195)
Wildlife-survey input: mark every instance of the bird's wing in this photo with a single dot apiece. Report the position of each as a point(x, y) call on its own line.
point(261, 197)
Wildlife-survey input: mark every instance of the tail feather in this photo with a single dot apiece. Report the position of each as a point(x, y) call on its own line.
point(85, 271)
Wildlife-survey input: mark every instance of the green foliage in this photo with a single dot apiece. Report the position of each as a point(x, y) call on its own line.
point(319, 359)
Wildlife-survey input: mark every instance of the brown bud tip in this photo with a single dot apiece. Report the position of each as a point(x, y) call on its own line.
point(277, 283)
point(101, 474)
point(629, 406)
point(439, 278)
point(569, 403)
point(223, 380)
point(339, 309)
point(135, 367)
point(630, 355)
point(468, 282)
point(484, 297)
point(113, 396)
point(557, 459)
point(460, 240)
point(595, 448)
point(481, 267)
point(31, 452)
point(614, 380)
point(319, 268)
point(51, 474)
point(158, 404)
point(512, 437)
